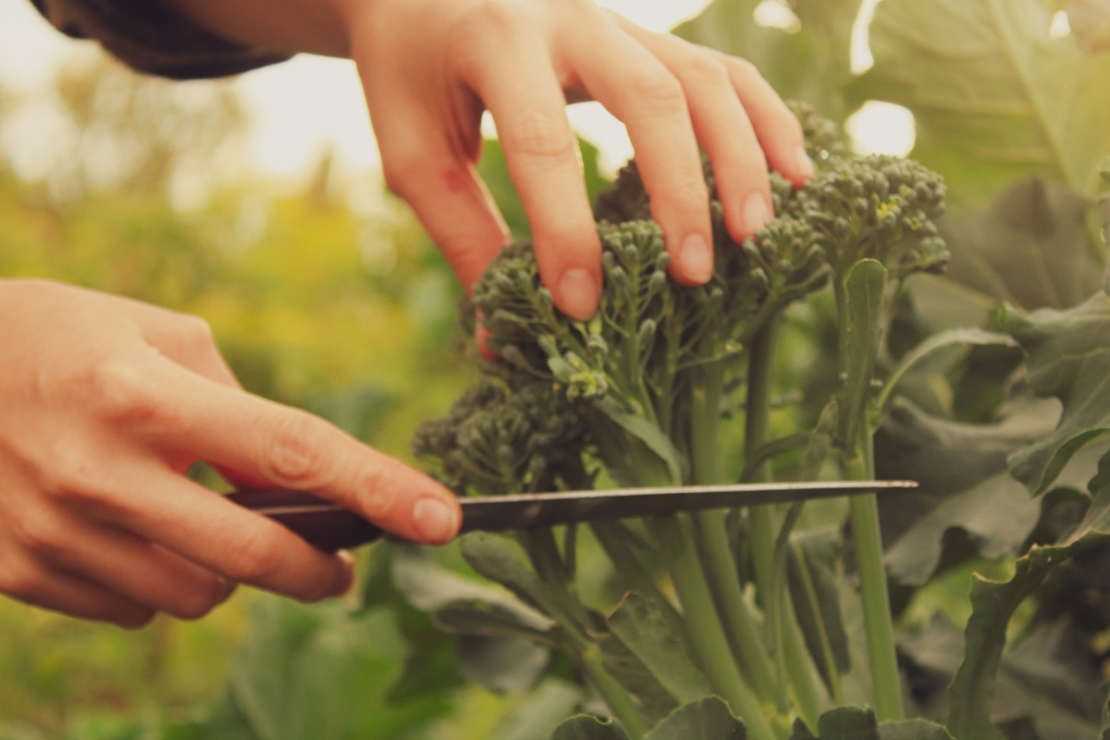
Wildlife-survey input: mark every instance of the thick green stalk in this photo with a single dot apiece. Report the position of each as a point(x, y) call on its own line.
point(757, 418)
point(878, 623)
point(703, 625)
point(711, 533)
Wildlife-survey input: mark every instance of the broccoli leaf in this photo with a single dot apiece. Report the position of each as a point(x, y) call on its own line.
point(589, 728)
point(971, 695)
point(708, 719)
point(1068, 354)
point(994, 96)
point(660, 644)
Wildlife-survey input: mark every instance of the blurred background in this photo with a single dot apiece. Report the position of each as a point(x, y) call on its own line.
point(257, 203)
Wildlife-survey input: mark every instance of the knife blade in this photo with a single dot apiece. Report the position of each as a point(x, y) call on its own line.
point(331, 527)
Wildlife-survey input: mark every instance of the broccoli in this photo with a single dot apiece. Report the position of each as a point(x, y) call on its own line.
point(639, 392)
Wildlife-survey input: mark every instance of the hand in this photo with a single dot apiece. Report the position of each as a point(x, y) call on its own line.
point(104, 404)
point(431, 67)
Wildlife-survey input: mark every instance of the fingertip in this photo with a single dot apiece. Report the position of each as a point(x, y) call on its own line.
point(694, 261)
point(347, 559)
point(578, 293)
point(435, 520)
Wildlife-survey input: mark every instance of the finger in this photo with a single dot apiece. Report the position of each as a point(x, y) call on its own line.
point(184, 338)
point(777, 128)
point(428, 159)
point(774, 125)
point(182, 412)
point(220, 536)
point(724, 130)
point(519, 86)
point(135, 569)
point(69, 594)
point(639, 90)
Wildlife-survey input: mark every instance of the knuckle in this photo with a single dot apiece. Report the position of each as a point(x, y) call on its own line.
point(479, 20)
point(254, 556)
point(375, 493)
point(195, 335)
point(742, 71)
point(40, 535)
point(540, 134)
point(20, 580)
point(294, 452)
point(684, 192)
point(704, 69)
point(659, 92)
point(199, 602)
point(124, 392)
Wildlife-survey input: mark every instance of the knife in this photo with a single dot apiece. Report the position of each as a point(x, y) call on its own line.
point(331, 527)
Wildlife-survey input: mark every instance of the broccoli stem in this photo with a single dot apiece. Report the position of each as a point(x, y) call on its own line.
point(757, 418)
point(548, 564)
point(703, 624)
point(878, 623)
point(711, 533)
point(792, 658)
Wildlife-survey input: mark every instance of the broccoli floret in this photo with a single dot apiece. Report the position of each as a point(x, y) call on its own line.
point(876, 207)
point(502, 437)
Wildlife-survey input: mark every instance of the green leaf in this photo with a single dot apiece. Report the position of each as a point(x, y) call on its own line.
point(541, 713)
point(1068, 355)
point(864, 293)
point(994, 96)
point(914, 729)
point(842, 723)
point(502, 663)
point(647, 433)
point(1031, 247)
point(655, 702)
point(813, 578)
point(708, 719)
point(914, 557)
point(660, 643)
point(583, 727)
point(811, 62)
point(314, 673)
point(1090, 23)
point(971, 694)
point(950, 338)
point(503, 561)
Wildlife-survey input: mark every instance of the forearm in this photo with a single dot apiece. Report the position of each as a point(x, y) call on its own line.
point(282, 26)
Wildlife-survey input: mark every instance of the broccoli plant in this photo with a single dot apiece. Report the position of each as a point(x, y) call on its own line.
point(645, 392)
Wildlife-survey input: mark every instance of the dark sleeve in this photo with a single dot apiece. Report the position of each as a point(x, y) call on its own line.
point(150, 37)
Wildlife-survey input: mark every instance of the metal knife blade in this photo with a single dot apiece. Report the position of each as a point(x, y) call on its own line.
point(332, 527)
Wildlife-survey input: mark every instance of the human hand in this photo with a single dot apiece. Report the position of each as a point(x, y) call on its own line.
point(431, 67)
point(105, 402)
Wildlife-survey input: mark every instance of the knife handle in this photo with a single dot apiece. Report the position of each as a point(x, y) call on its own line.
point(322, 524)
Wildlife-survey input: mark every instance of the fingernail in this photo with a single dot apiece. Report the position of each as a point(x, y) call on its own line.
point(348, 583)
point(756, 212)
point(578, 294)
point(695, 259)
point(803, 162)
point(433, 520)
